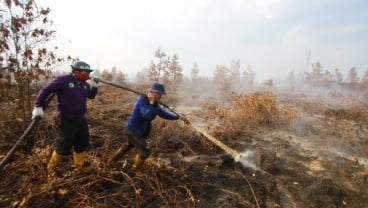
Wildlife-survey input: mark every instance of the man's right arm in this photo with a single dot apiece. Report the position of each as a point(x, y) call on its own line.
point(41, 98)
point(45, 91)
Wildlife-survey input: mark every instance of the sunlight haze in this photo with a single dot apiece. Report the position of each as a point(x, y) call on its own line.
point(274, 37)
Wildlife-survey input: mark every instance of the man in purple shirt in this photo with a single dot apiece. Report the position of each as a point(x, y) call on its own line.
point(72, 91)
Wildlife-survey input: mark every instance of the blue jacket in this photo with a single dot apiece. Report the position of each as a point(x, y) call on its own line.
point(139, 123)
point(71, 94)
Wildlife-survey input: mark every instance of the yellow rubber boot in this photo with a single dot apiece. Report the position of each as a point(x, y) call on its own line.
point(53, 162)
point(79, 159)
point(116, 156)
point(136, 168)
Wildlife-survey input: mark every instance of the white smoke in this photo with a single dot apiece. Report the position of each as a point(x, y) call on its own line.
point(248, 159)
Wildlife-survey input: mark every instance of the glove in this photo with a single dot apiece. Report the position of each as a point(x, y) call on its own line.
point(93, 83)
point(37, 112)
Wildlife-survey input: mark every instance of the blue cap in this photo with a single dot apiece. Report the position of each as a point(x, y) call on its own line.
point(157, 88)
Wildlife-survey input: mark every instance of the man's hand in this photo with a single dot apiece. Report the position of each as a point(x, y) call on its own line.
point(93, 83)
point(37, 112)
point(183, 118)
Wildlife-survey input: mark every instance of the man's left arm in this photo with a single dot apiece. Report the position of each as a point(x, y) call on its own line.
point(166, 114)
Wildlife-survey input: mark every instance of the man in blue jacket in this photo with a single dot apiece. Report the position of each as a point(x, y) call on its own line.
point(138, 126)
point(72, 92)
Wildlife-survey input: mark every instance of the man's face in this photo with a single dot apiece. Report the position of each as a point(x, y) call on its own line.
point(82, 75)
point(156, 95)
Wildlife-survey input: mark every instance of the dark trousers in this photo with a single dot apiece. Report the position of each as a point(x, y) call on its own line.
point(137, 141)
point(72, 134)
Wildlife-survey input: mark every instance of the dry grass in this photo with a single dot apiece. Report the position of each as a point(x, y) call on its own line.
point(249, 114)
point(172, 183)
point(356, 114)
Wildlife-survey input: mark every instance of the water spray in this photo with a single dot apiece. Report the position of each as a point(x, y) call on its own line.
point(246, 158)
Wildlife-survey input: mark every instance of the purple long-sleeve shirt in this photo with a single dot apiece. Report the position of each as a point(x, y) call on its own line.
point(71, 94)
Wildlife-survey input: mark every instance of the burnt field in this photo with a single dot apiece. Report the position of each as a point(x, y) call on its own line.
point(299, 152)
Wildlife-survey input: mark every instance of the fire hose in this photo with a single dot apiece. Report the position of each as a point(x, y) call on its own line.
point(24, 135)
point(235, 155)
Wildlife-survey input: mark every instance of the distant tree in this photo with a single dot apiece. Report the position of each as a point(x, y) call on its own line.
point(117, 75)
point(364, 79)
point(106, 75)
point(268, 83)
point(114, 71)
point(142, 76)
point(174, 72)
point(222, 80)
point(120, 77)
point(235, 73)
point(158, 67)
point(352, 77)
point(154, 74)
point(194, 72)
point(249, 76)
point(292, 80)
point(338, 76)
point(24, 31)
point(316, 75)
point(327, 78)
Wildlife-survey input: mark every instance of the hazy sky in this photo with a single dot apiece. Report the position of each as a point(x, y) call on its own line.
point(272, 36)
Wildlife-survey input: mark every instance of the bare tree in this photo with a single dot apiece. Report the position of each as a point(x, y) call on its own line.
point(327, 78)
point(316, 75)
point(24, 30)
point(158, 67)
point(249, 76)
point(338, 76)
point(235, 75)
point(174, 72)
point(364, 79)
point(106, 75)
point(292, 80)
point(194, 72)
point(114, 71)
point(120, 77)
point(222, 79)
point(352, 77)
point(142, 76)
point(268, 83)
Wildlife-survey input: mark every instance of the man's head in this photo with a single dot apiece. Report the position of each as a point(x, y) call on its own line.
point(157, 88)
point(155, 92)
point(81, 70)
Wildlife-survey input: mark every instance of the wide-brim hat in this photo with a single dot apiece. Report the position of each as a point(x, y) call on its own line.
point(157, 88)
